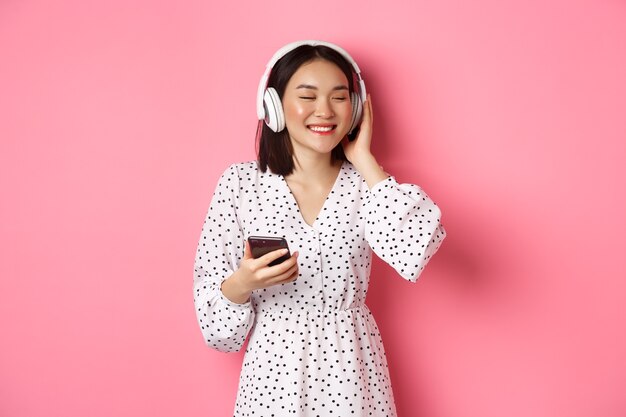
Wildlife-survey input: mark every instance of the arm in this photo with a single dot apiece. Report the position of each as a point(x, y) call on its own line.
point(403, 224)
point(358, 151)
point(224, 323)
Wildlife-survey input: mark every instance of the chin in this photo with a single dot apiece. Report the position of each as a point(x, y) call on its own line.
point(318, 143)
point(326, 147)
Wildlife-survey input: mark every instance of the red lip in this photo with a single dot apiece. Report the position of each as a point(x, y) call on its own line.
point(323, 133)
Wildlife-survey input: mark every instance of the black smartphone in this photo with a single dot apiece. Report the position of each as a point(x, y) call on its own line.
point(260, 245)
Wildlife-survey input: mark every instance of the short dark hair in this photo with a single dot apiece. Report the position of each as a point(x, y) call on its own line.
point(274, 149)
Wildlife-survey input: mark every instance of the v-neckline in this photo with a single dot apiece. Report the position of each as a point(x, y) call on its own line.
point(322, 209)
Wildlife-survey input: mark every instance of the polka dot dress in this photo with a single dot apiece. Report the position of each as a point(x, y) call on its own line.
point(314, 349)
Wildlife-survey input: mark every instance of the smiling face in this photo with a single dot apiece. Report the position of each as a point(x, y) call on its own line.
point(317, 107)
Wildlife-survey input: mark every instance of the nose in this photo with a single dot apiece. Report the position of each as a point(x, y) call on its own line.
point(324, 109)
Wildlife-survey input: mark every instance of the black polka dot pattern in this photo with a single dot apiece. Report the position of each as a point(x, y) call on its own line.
point(314, 348)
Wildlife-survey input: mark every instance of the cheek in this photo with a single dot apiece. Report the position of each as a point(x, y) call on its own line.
point(346, 109)
point(294, 111)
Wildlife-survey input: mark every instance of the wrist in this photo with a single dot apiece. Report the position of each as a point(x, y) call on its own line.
point(370, 170)
point(364, 162)
point(235, 290)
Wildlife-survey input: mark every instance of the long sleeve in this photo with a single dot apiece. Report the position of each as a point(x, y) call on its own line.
point(403, 226)
point(224, 324)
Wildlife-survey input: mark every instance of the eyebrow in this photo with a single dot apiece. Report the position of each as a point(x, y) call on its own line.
point(312, 87)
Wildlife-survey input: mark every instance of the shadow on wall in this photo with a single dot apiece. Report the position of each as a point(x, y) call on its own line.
point(465, 280)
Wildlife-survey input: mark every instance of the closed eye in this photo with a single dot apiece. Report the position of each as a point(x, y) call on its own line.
point(307, 98)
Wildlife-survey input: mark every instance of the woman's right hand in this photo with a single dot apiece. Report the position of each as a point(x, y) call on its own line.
point(255, 274)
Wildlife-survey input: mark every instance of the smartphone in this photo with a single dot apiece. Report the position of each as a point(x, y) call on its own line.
point(260, 245)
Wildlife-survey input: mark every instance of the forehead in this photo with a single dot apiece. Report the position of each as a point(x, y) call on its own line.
point(318, 72)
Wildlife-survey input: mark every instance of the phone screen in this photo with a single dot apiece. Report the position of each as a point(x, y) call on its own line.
point(260, 245)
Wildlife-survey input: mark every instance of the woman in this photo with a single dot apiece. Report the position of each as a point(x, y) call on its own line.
point(314, 348)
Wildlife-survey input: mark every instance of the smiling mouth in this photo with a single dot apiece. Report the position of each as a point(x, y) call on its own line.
point(322, 129)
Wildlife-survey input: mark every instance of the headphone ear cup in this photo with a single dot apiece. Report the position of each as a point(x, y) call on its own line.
point(357, 111)
point(274, 116)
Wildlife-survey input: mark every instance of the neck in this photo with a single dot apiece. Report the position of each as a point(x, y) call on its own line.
point(314, 166)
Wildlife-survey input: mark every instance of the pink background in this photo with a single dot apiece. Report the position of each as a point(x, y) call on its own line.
point(117, 117)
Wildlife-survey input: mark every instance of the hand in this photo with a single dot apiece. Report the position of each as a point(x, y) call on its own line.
point(360, 148)
point(359, 152)
point(254, 274)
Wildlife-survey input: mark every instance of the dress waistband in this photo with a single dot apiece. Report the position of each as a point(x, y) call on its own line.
point(310, 310)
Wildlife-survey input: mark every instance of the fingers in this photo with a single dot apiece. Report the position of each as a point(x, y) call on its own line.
point(258, 274)
point(368, 115)
point(364, 137)
point(284, 266)
point(288, 276)
point(281, 272)
point(271, 256)
point(247, 252)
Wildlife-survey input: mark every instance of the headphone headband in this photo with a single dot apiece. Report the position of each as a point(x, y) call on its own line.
point(260, 111)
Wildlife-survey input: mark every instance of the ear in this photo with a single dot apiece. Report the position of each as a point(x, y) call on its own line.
point(274, 115)
point(357, 111)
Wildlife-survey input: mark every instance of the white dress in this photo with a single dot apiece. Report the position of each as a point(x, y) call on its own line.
point(314, 348)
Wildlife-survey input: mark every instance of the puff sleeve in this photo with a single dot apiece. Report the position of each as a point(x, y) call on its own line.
point(403, 226)
point(224, 324)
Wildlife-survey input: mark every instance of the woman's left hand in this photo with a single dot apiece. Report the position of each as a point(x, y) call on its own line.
point(359, 151)
point(360, 148)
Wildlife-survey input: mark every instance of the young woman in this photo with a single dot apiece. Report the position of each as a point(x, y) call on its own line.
point(314, 348)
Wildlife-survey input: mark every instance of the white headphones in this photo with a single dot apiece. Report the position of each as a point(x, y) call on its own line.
point(269, 106)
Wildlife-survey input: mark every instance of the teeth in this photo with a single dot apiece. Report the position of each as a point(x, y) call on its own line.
point(321, 128)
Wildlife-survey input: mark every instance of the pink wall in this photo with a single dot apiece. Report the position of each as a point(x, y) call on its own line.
point(117, 117)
